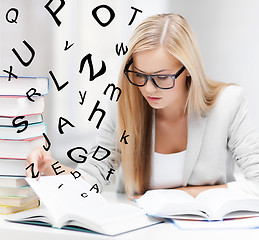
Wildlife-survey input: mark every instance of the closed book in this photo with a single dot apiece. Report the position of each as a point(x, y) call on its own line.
point(6, 209)
point(12, 181)
point(8, 121)
point(17, 201)
point(21, 85)
point(11, 106)
point(22, 147)
point(18, 133)
point(12, 167)
point(23, 191)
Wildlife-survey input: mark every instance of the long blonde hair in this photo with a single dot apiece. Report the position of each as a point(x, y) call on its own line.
point(134, 113)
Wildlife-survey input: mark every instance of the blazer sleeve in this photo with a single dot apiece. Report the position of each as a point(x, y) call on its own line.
point(243, 143)
point(95, 171)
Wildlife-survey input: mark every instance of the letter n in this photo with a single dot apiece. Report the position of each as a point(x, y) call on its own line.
point(94, 111)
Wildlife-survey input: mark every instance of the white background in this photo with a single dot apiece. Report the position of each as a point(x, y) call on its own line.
point(227, 33)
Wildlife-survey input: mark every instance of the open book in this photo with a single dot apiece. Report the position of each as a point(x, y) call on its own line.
point(213, 204)
point(69, 203)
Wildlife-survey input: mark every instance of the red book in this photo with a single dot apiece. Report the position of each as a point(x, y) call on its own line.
point(19, 149)
point(11, 106)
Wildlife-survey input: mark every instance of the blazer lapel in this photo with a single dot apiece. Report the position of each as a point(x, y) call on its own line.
point(196, 127)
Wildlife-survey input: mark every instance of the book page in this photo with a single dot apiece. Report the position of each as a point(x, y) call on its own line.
point(166, 202)
point(222, 201)
point(62, 195)
point(112, 218)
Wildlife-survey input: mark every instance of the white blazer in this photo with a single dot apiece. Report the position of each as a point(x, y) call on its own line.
point(215, 142)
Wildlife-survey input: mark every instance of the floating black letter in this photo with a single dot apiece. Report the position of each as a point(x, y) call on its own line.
point(47, 141)
point(29, 94)
point(112, 15)
point(25, 123)
point(118, 50)
point(54, 14)
point(84, 157)
point(32, 170)
point(134, 14)
point(111, 171)
point(26, 64)
point(95, 186)
point(123, 137)
point(107, 154)
point(94, 111)
point(13, 20)
point(60, 126)
point(56, 82)
point(88, 57)
point(10, 73)
point(113, 90)
point(54, 168)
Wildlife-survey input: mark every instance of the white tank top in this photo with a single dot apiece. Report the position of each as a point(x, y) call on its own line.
point(167, 170)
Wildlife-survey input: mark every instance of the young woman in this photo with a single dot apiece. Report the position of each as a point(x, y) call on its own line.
point(184, 130)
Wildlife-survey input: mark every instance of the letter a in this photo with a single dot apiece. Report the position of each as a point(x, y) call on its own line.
point(60, 126)
point(95, 186)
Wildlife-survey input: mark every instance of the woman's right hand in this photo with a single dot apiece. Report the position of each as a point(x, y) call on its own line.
point(40, 160)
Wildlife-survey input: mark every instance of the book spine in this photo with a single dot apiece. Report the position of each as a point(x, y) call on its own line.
point(12, 163)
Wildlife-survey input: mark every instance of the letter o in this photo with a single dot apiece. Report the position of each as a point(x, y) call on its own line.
point(112, 15)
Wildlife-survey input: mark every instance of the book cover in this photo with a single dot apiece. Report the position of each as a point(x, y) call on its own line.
point(21, 85)
point(23, 191)
point(7, 209)
point(12, 181)
point(12, 167)
point(22, 147)
point(17, 201)
point(8, 121)
point(11, 106)
point(17, 133)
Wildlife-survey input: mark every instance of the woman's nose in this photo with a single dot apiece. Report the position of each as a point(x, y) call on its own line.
point(150, 87)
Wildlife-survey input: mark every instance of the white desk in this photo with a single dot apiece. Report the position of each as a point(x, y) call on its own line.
point(13, 231)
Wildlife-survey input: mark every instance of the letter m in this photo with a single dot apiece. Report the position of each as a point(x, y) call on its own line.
point(113, 90)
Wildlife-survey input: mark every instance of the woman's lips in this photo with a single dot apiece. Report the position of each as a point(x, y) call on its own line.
point(153, 99)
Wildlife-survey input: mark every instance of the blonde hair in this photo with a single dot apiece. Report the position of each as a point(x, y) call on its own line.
point(134, 113)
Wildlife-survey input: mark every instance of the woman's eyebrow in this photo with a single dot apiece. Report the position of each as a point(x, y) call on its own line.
point(153, 72)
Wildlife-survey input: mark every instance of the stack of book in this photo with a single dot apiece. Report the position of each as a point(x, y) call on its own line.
point(21, 130)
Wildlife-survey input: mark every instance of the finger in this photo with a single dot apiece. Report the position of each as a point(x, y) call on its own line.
point(46, 161)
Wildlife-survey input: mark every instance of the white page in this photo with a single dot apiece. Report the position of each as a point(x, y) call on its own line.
point(221, 200)
point(169, 201)
point(64, 194)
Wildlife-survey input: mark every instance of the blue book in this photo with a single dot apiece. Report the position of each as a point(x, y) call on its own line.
point(8, 121)
point(32, 131)
point(21, 85)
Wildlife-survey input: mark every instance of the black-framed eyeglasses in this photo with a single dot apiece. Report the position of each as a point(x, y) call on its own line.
point(162, 81)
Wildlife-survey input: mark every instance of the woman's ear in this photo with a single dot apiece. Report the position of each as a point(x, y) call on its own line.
point(187, 73)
